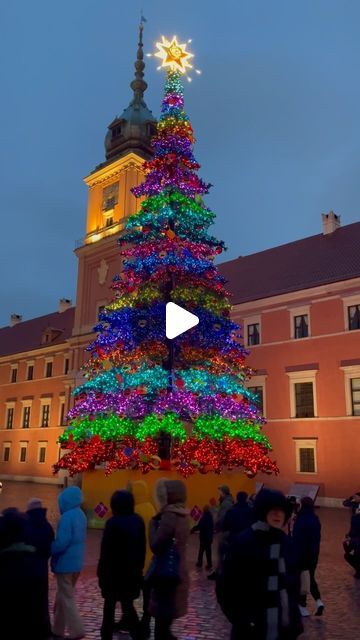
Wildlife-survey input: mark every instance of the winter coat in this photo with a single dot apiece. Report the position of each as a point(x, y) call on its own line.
point(205, 527)
point(238, 518)
point(351, 504)
point(122, 557)
point(242, 587)
point(306, 536)
point(21, 594)
point(354, 533)
point(172, 523)
point(40, 534)
point(145, 509)
point(68, 548)
point(224, 507)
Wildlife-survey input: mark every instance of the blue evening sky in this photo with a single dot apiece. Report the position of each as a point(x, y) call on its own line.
point(276, 114)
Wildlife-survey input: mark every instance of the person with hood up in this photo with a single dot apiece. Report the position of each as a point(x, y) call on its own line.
point(21, 588)
point(240, 516)
point(171, 526)
point(121, 564)
point(67, 560)
point(306, 537)
point(40, 534)
point(258, 588)
point(226, 502)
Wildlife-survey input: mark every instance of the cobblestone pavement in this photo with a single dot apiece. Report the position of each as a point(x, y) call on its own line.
point(339, 590)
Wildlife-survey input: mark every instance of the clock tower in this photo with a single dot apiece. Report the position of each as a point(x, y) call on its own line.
point(110, 202)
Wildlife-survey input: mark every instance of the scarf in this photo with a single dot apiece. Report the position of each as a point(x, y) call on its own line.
point(277, 603)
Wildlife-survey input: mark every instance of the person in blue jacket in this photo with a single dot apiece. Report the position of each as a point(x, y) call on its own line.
point(68, 551)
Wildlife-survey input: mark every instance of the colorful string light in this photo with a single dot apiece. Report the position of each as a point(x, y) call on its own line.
point(135, 392)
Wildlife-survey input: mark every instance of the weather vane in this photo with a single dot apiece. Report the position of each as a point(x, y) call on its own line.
point(174, 56)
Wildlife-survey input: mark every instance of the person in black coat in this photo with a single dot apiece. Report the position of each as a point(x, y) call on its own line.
point(121, 563)
point(21, 602)
point(205, 527)
point(258, 589)
point(353, 503)
point(307, 536)
point(352, 544)
point(240, 516)
point(40, 534)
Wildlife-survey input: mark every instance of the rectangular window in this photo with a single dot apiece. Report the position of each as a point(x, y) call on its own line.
point(62, 413)
point(253, 334)
point(110, 196)
point(109, 221)
point(306, 460)
point(259, 401)
point(30, 372)
point(6, 452)
point(66, 365)
point(354, 317)
point(26, 417)
point(23, 451)
point(45, 414)
point(301, 326)
point(13, 377)
point(355, 396)
point(304, 400)
point(48, 369)
point(42, 453)
point(9, 417)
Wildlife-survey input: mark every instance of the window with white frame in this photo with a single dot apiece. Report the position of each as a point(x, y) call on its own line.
point(300, 322)
point(30, 371)
point(355, 396)
point(62, 412)
point(48, 368)
point(252, 331)
point(26, 414)
point(42, 451)
point(303, 400)
point(352, 389)
point(256, 386)
point(23, 451)
point(354, 317)
point(13, 373)
point(6, 451)
point(9, 415)
point(306, 455)
point(45, 408)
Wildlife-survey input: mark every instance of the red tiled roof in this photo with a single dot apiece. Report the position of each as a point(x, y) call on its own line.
point(302, 264)
point(26, 336)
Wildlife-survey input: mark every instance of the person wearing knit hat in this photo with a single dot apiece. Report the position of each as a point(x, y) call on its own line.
point(169, 532)
point(259, 585)
point(306, 537)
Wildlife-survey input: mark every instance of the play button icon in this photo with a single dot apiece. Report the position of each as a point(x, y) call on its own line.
point(178, 320)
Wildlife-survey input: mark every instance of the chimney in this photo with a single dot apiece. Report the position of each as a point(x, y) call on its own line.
point(330, 222)
point(15, 319)
point(64, 304)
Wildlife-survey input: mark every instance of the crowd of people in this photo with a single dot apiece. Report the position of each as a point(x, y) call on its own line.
point(267, 550)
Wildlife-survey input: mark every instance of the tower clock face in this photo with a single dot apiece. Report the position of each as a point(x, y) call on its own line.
point(110, 196)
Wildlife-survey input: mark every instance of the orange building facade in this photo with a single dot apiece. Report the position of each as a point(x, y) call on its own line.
point(299, 306)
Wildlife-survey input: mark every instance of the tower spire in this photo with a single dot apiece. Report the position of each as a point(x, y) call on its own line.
point(139, 85)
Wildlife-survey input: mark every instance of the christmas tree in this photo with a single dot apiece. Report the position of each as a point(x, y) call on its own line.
point(149, 401)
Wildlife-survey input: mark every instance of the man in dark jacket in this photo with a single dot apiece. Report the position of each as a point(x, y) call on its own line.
point(21, 606)
point(307, 536)
point(121, 564)
point(352, 544)
point(240, 516)
point(205, 527)
point(353, 503)
point(40, 535)
point(258, 589)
